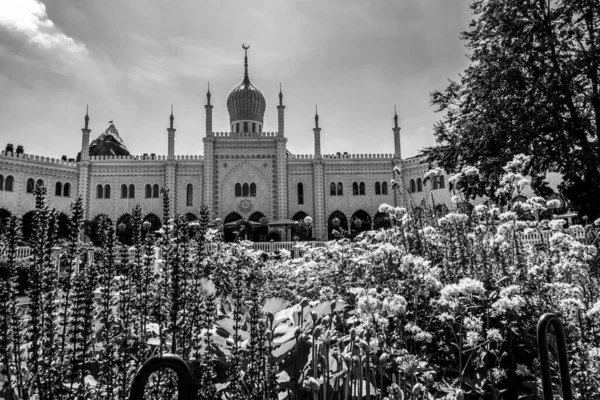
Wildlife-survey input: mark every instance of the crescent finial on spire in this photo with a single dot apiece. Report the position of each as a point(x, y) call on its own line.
point(316, 117)
point(246, 78)
point(395, 117)
point(87, 117)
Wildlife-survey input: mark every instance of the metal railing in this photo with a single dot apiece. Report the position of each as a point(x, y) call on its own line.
point(563, 360)
point(185, 384)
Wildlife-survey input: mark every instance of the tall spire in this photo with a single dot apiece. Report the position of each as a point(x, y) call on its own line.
point(246, 77)
point(208, 95)
point(316, 117)
point(87, 117)
point(395, 118)
point(171, 118)
point(280, 95)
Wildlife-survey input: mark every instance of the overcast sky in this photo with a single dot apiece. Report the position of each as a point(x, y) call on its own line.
point(131, 59)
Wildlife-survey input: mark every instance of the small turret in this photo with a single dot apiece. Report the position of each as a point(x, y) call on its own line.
point(171, 118)
point(87, 117)
point(171, 137)
point(317, 135)
point(316, 118)
point(280, 114)
point(208, 95)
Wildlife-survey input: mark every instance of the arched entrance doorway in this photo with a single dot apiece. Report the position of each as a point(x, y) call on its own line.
point(4, 217)
point(125, 229)
point(360, 222)
point(381, 221)
point(231, 227)
point(301, 231)
point(258, 233)
point(336, 222)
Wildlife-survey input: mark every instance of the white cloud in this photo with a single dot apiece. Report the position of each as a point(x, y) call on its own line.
point(29, 18)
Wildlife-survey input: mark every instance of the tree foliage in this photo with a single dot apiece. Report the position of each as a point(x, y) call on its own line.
point(531, 88)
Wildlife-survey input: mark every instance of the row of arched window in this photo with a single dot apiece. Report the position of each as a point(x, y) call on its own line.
point(7, 183)
point(31, 183)
point(336, 189)
point(152, 191)
point(245, 190)
point(381, 188)
point(438, 182)
point(245, 127)
point(63, 190)
point(358, 189)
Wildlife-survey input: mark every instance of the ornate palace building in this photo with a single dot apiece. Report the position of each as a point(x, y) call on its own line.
point(245, 172)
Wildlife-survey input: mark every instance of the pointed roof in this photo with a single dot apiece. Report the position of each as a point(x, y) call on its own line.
point(108, 143)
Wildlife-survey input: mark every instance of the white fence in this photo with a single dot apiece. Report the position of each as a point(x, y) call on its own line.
point(273, 247)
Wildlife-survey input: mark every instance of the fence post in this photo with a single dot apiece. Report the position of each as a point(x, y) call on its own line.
point(563, 360)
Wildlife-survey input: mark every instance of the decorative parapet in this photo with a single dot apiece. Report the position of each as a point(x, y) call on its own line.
point(346, 156)
point(246, 134)
point(146, 157)
point(301, 157)
point(40, 159)
point(412, 161)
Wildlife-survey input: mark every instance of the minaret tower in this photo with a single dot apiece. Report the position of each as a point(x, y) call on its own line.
point(318, 181)
point(396, 130)
point(209, 150)
point(280, 114)
point(399, 198)
point(84, 167)
point(171, 132)
point(85, 138)
point(208, 108)
point(171, 165)
point(317, 135)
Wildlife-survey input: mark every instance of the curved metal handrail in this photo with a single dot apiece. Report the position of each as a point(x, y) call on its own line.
point(185, 385)
point(563, 360)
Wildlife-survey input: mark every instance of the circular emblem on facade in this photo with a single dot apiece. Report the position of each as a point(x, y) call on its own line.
point(225, 165)
point(245, 205)
point(265, 165)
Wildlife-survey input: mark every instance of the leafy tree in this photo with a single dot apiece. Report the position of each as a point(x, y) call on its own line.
point(532, 88)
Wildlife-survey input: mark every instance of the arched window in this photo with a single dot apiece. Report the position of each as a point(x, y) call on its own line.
point(237, 128)
point(99, 191)
point(377, 188)
point(434, 182)
point(1, 182)
point(340, 189)
point(259, 128)
point(238, 190)
point(8, 184)
point(40, 183)
point(131, 191)
point(253, 127)
point(413, 186)
point(58, 189)
point(67, 190)
point(332, 189)
point(245, 127)
point(361, 188)
point(384, 187)
point(189, 195)
point(107, 191)
point(148, 190)
point(155, 190)
point(354, 188)
point(253, 189)
point(419, 185)
point(123, 191)
point(300, 193)
point(245, 190)
point(442, 183)
point(30, 185)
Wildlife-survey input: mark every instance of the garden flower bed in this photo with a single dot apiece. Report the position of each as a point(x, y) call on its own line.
point(437, 306)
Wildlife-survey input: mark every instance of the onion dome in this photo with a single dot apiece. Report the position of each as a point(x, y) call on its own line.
point(246, 102)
